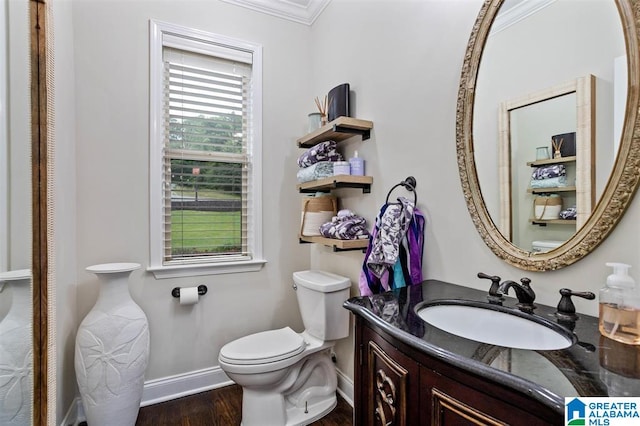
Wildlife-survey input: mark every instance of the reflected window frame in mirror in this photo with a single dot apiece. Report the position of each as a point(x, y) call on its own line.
point(622, 183)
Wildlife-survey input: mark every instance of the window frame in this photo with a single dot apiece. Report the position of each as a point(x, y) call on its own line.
point(197, 38)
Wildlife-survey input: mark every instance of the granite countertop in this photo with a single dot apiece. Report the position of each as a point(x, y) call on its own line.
point(595, 366)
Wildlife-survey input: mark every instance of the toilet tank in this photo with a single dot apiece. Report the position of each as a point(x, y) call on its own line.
point(543, 246)
point(320, 298)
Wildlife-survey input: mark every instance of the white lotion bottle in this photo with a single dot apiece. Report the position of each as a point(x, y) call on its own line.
point(619, 306)
point(357, 165)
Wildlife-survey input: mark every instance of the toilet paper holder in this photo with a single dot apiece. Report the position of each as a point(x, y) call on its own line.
point(202, 289)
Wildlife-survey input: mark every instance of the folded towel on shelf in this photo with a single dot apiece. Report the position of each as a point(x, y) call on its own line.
point(324, 151)
point(553, 182)
point(571, 213)
point(345, 226)
point(550, 171)
point(316, 171)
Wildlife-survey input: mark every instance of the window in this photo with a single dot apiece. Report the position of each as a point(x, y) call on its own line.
point(205, 137)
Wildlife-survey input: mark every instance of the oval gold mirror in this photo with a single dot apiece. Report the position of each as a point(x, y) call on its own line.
point(508, 131)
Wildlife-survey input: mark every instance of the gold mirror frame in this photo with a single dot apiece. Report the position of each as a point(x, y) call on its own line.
point(624, 177)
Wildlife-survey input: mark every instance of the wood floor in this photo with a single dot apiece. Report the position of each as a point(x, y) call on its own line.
point(220, 407)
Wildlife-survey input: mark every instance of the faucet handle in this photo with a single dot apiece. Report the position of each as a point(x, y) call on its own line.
point(566, 308)
point(489, 277)
point(525, 281)
point(494, 295)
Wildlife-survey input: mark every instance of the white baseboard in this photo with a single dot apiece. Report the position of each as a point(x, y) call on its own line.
point(75, 414)
point(161, 390)
point(345, 387)
point(168, 388)
point(172, 387)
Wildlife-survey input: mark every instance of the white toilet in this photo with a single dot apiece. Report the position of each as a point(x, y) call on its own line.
point(288, 378)
point(543, 246)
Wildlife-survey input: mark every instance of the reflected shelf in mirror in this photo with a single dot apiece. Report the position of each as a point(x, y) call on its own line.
point(548, 161)
point(551, 189)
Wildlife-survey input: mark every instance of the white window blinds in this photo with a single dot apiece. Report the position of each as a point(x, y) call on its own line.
point(207, 167)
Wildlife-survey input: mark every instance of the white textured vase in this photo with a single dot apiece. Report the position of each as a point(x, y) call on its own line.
point(112, 350)
point(16, 354)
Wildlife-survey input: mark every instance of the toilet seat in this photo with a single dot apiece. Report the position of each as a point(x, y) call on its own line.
point(264, 347)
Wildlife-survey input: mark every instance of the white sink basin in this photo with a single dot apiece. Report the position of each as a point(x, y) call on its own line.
point(495, 325)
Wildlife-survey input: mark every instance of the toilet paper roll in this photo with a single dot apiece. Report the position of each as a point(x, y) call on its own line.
point(188, 295)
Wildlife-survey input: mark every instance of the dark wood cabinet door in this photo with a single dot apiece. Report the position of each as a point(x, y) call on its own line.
point(449, 410)
point(390, 382)
point(453, 403)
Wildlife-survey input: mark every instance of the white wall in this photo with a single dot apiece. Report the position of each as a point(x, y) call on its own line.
point(112, 109)
point(63, 255)
point(403, 59)
point(15, 143)
point(18, 111)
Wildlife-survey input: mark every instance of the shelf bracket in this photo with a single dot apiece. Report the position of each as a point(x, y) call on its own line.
point(333, 248)
point(365, 133)
point(366, 187)
point(337, 249)
point(314, 190)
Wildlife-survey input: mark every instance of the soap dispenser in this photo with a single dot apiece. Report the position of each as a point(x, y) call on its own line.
point(357, 165)
point(620, 306)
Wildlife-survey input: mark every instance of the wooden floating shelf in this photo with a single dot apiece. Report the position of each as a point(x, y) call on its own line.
point(556, 189)
point(340, 181)
point(551, 161)
point(337, 130)
point(545, 222)
point(337, 245)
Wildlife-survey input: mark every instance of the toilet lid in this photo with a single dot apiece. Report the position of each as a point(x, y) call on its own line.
point(263, 347)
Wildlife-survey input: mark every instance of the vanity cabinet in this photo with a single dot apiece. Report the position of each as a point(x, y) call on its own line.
point(340, 129)
point(389, 383)
point(396, 384)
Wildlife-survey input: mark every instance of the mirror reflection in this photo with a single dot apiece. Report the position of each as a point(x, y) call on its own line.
point(541, 176)
point(531, 365)
point(619, 367)
point(16, 349)
point(546, 192)
point(535, 59)
point(554, 372)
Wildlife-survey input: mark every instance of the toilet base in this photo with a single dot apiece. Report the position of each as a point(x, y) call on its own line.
point(305, 394)
point(298, 417)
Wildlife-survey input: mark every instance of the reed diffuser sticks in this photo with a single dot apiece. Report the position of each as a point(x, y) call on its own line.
point(556, 147)
point(323, 108)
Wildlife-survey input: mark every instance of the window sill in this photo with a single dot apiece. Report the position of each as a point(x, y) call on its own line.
point(178, 271)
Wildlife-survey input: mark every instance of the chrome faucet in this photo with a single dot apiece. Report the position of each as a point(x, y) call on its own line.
point(524, 293)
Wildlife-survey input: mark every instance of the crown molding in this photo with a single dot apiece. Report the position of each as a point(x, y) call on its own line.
point(517, 13)
point(301, 11)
